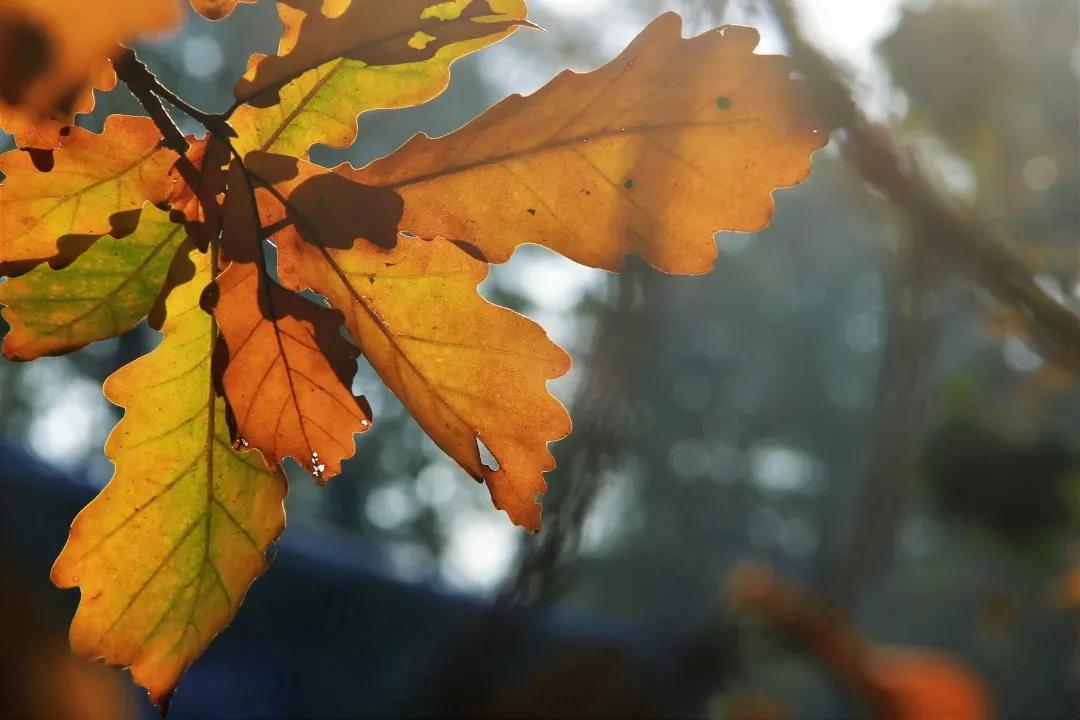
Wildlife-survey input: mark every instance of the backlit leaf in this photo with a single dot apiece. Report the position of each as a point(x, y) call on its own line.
point(370, 55)
point(106, 291)
point(52, 51)
point(467, 370)
point(165, 554)
point(650, 155)
point(94, 177)
point(32, 131)
point(216, 9)
point(288, 372)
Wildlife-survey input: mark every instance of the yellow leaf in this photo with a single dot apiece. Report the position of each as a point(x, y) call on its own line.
point(467, 370)
point(331, 69)
point(94, 177)
point(650, 155)
point(106, 291)
point(165, 554)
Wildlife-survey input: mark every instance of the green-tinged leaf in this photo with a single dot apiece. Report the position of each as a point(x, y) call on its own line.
point(106, 291)
point(164, 555)
point(94, 177)
point(371, 55)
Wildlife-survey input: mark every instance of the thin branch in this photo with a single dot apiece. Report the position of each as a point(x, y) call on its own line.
point(141, 83)
point(146, 87)
point(938, 221)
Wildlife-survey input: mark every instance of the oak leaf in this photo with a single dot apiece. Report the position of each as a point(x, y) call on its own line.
point(467, 370)
point(287, 370)
point(104, 292)
point(652, 154)
point(366, 56)
point(164, 555)
point(217, 9)
point(52, 52)
point(93, 178)
point(46, 133)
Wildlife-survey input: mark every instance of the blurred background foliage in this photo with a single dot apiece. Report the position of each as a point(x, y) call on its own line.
point(921, 477)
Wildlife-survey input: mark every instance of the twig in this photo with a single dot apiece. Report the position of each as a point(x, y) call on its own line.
point(938, 220)
point(141, 83)
point(148, 90)
point(145, 86)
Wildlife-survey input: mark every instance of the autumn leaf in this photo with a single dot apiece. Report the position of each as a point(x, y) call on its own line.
point(165, 554)
point(93, 178)
point(52, 52)
point(216, 9)
point(917, 683)
point(104, 292)
point(675, 139)
point(369, 55)
point(652, 154)
point(895, 682)
point(467, 370)
point(46, 133)
point(288, 370)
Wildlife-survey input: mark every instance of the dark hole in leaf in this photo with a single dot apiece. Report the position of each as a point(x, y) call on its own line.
point(43, 159)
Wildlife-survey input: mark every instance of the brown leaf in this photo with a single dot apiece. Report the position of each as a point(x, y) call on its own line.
point(288, 370)
point(652, 154)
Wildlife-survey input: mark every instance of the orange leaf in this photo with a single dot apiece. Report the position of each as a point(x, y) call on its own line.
point(93, 178)
point(922, 684)
point(467, 370)
point(47, 132)
point(288, 370)
point(52, 52)
point(891, 682)
point(651, 154)
point(216, 9)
